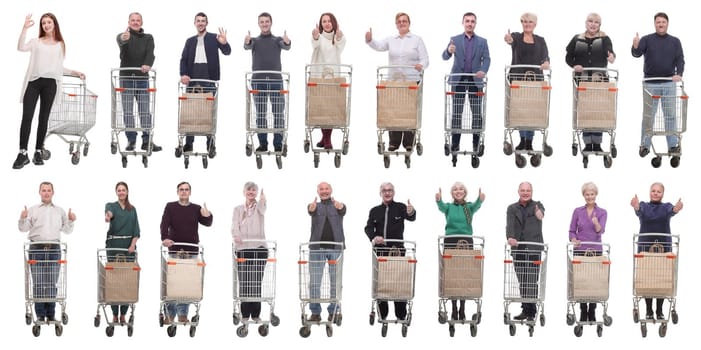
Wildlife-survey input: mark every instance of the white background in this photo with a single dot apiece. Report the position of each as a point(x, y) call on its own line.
point(90, 28)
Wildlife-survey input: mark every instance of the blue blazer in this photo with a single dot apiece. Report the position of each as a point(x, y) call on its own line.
point(480, 55)
point(211, 45)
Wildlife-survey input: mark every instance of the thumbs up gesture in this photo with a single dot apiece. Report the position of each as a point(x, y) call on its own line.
point(315, 32)
point(247, 39)
point(126, 35)
point(635, 203)
point(636, 40)
point(678, 206)
point(108, 216)
point(339, 34)
point(538, 213)
point(451, 47)
point(337, 204)
point(409, 207)
point(262, 196)
point(285, 38)
point(312, 206)
point(481, 195)
point(71, 215)
point(368, 35)
point(204, 211)
point(439, 194)
point(24, 213)
point(508, 38)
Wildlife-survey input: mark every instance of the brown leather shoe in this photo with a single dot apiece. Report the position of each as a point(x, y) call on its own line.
point(314, 318)
point(182, 318)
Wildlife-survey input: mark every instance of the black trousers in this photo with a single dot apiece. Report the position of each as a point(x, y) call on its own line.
point(42, 90)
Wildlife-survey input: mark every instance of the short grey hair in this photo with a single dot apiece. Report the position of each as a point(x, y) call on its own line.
point(590, 186)
point(250, 185)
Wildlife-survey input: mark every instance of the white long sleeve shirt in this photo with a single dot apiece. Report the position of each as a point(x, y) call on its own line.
point(407, 50)
point(45, 222)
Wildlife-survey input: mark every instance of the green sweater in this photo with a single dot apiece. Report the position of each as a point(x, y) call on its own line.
point(124, 226)
point(456, 222)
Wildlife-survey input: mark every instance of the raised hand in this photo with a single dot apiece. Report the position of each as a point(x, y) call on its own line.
point(409, 207)
point(71, 215)
point(508, 38)
point(285, 38)
point(636, 40)
point(337, 204)
point(451, 47)
point(247, 39)
point(316, 32)
point(24, 213)
point(368, 35)
point(28, 21)
point(221, 38)
point(339, 34)
point(126, 35)
point(262, 196)
point(312, 206)
point(635, 203)
point(108, 216)
point(481, 195)
point(538, 213)
point(439, 194)
point(204, 211)
point(678, 206)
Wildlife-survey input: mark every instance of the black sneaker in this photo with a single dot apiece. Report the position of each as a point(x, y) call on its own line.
point(262, 148)
point(597, 147)
point(38, 159)
point(589, 147)
point(520, 317)
point(187, 148)
point(130, 146)
point(154, 147)
point(660, 315)
point(392, 148)
point(649, 316)
point(278, 148)
point(675, 150)
point(521, 145)
point(21, 161)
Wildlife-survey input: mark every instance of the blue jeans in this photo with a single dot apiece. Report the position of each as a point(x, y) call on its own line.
point(45, 274)
point(136, 89)
point(205, 87)
point(667, 91)
point(269, 90)
point(466, 89)
point(317, 260)
point(526, 134)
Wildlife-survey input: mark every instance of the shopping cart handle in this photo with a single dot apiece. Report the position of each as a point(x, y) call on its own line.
point(302, 262)
point(345, 85)
point(508, 261)
point(272, 260)
point(538, 262)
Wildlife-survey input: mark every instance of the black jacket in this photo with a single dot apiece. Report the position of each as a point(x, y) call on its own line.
point(394, 215)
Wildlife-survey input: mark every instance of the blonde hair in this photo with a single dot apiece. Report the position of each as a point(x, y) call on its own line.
point(529, 16)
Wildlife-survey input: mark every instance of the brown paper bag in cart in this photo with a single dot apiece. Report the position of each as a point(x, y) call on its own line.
point(120, 282)
point(461, 273)
point(196, 113)
point(326, 102)
point(655, 273)
point(397, 105)
point(395, 277)
point(589, 278)
point(184, 279)
point(596, 105)
point(528, 104)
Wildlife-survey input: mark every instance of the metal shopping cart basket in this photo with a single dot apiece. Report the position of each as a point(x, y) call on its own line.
point(117, 284)
point(664, 114)
point(594, 102)
point(465, 114)
point(320, 281)
point(399, 104)
point(197, 116)
point(133, 110)
point(182, 279)
point(526, 108)
point(267, 111)
point(327, 106)
point(655, 271)
point(460, 277)
point(73, 118)
point(393, 279)
point(525, 270)
point(254, 279)
point(45, 277)
point(588, 275)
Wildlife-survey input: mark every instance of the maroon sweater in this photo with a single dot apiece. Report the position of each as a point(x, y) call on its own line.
point(180, 224)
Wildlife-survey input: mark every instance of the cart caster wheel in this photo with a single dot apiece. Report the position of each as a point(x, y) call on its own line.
point(130, 331)
point(284, 150)
point(304, 332)
point(578, 330)
point(599, 330)
point(475, 162)
point(339, 319)
point(535, 160)
point(608, 161)
point(675, 317)
point(235, 319)
point(274, 320)
point(58, 329)
point(249, 150)
point(636, 316)
point(113, 148)
point(570, 319)
point(172, 330)
point(36, 330)
point(656, 162)
point(547, 150)
point(419, 148)
point(451, 330)
point(480, 151)
point(178, 152)
point(531, 329)
point(446, 149)
point(608, 321)
point(316, 160)
point(278, 160)
point(259, 161)
point(477, 317)
point(161, 320)
point(663, 330)
point(383, 331)
point(109, 331)
point(575, 149)
point(407, 161)
point(28, 320)
point(442, 317)
point(186, 162)
point(195, 319)
point(85, 149)
point(307, 146)
point(674, 162)
point(614, 151)
point(337, 160)
point(542, 320)
point(211, 152)
point(512, 330)
point(71, 147)
point(46, 154)
point(344, 149)
point(329, 331)
point(372, 318)
point(380, 148)
point(454, 160)
point(124, 162)
point(520, 161)
point(205, 162)
point(507, 316)
point(263, 330)
point(144, 160)
point(131, 320)
point(405, 330)
point(242, 331)
point(585, 162)
point(193, 330)
point(643, 330)
point(64, 318)
point(96, 322)
point(386, 161)
point(508, 148)
point(473, 330)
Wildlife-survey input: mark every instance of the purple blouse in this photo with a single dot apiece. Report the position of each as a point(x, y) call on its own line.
point(582, 228)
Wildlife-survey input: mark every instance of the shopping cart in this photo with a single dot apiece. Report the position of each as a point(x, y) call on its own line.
point(117, 284)
point(465, 114)
point(327, 106)
point(267, 111)
point(399, 104)
point(320, 281)
point(197, 116)
point(460, 277)
point(655, 271)
point(667, 118)
point(182, 279)
point(525, 268)
point(73, 117)
point(132, 96)
point(594, 102)
point(526, 108)
point(254, 282)
point(45, 277)
point(588, 272)
point(393, 279)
